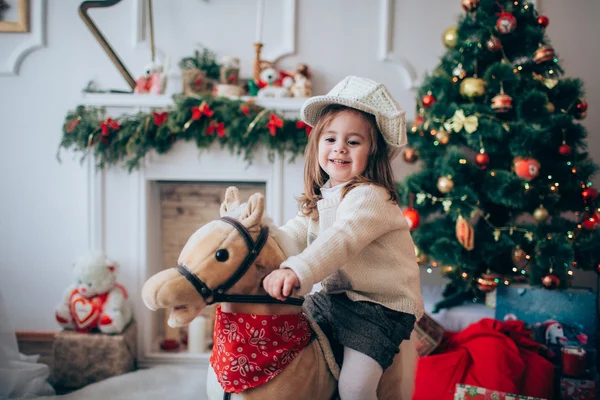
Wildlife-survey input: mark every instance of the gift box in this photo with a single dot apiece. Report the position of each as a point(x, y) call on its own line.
point(574, 309)
point(468, 392)
point(84, 358)
point(577, 389)
point(429, 335)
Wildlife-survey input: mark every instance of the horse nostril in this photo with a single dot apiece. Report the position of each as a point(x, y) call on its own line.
point(222, 255)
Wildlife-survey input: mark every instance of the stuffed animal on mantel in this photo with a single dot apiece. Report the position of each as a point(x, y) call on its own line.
point(95, 301)
point(277, 85)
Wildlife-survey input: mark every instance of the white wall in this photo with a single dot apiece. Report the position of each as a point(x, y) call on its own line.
point(43, 204)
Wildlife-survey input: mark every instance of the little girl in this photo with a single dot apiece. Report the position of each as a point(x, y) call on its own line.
point(356, 241)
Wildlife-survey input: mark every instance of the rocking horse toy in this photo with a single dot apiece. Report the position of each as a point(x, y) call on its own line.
point(264, 348)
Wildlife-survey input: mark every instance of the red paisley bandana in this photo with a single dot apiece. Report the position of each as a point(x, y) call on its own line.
point(252, 349)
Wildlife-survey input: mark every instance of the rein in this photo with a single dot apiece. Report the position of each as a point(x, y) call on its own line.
point(218, 294)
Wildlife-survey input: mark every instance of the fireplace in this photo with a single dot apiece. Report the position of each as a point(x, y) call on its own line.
point(142, 218)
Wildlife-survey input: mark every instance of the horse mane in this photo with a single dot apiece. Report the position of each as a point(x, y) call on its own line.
point(286, 243)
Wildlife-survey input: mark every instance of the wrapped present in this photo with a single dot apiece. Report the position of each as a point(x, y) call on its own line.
point(84, 358)
point(469, 392)
point(429, 334)
point(574, 309)
point(577, 389)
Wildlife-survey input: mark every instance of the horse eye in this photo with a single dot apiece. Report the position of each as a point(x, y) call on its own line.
point(222, 255)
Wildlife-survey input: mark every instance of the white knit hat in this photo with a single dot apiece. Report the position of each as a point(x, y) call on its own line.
point(364, 95)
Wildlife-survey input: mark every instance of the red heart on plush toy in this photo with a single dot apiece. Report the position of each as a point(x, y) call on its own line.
point(85, 311)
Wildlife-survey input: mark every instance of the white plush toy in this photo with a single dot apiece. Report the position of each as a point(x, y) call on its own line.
point(270, 76)
point(95, 301)
point(153, 80)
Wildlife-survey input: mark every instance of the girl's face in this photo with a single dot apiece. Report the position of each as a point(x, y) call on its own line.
point(344, 147)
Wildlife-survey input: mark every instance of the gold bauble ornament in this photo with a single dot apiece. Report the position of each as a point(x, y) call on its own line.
point(540, 214)
point(442, 136)
point(445, 184)
point(450, 37)
point(472, 88)
point(410, 155)
point(550, 107)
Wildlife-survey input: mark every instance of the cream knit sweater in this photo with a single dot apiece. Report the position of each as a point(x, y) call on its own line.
point(360, 245)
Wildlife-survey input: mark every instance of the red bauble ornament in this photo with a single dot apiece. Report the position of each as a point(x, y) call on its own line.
point(506, 23)
point(482, 159)
point(526, 168)
point(487, 283)
point(564, 150)
point(502, 103)
point(550, 281)
point(428, 100)
point(589, 222)
point(543, 54)
point(470, 5)
point(543, 21)
point(580, 111)
point(412, 217)
point(418, 122)
point(589, 194)
point(493, 44)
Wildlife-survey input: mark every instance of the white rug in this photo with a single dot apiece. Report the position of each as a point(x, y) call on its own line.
point(160, 382)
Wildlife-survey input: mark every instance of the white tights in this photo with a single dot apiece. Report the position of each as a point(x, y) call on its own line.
point(359, 376)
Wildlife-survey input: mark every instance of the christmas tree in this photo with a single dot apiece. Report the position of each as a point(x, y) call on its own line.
point(504, 194)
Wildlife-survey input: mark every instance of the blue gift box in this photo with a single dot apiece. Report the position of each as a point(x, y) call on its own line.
point(574, 308)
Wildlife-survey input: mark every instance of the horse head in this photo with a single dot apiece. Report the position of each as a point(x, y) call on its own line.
point(225, 261)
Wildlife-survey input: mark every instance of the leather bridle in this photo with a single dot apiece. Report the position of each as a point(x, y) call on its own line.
point(218, 295)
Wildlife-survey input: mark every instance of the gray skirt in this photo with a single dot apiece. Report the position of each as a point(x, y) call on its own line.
point(369, 328)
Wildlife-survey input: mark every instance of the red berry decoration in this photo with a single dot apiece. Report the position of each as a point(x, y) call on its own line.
point(412, 217)
point(543, 21)
point(564, 150)
point(482, 159)
point(428, 100)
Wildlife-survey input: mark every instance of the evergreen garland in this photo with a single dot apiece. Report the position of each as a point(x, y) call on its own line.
point(238, 125)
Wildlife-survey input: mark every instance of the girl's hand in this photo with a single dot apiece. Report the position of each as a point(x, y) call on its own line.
point(279, 283)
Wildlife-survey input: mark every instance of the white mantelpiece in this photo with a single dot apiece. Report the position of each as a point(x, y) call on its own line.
point(287, 105)
point(123, 207)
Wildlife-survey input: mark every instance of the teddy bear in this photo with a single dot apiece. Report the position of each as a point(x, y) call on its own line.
point(95, 301)
point(302, 86)
point(277, 85)
point(153, 80)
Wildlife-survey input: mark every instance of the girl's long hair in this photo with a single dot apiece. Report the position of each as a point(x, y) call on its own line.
point(378, 170)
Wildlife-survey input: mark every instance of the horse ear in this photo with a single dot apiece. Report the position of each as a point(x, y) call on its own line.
point(254, 211)
point(232, 200)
